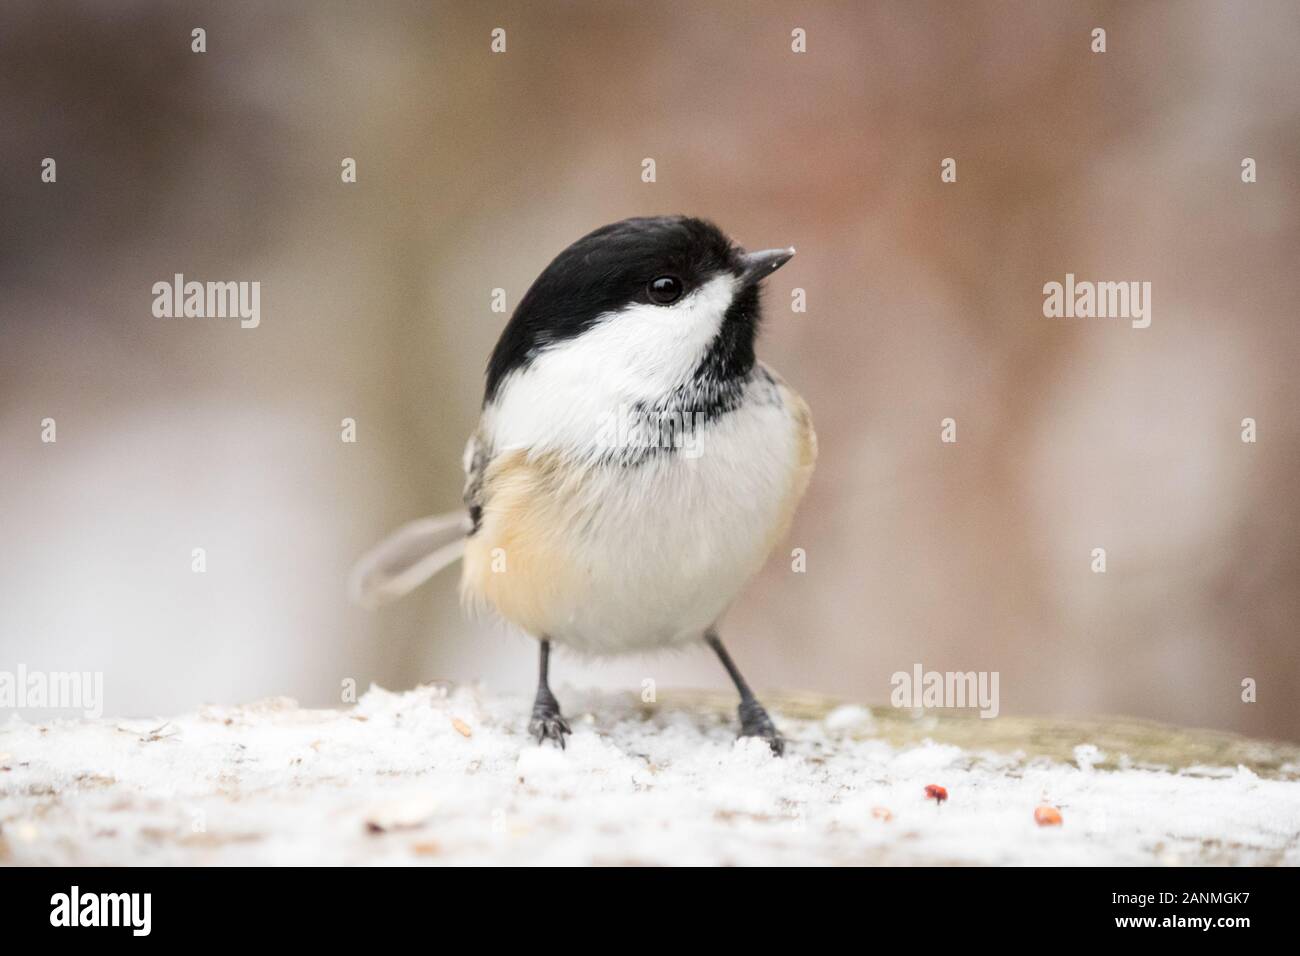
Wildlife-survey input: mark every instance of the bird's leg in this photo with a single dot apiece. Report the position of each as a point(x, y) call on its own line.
point(754, 721)
point(546, 722)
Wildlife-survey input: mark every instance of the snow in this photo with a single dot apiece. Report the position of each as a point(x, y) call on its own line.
point(447, 775)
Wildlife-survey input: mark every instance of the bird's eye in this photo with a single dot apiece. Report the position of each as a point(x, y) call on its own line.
point(664, 290)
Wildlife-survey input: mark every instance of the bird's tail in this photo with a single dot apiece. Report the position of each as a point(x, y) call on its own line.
point(407, 558)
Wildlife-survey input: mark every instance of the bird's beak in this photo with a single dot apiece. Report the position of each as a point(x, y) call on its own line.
point(760, 265)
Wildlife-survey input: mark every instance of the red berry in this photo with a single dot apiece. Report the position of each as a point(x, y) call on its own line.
point(1047, 817)
point(936, 793)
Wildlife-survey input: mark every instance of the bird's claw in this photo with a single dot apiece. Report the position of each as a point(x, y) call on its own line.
point(548, 724)
point(754, 722)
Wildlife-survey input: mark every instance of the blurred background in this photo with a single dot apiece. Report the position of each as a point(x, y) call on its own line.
point(474, 169)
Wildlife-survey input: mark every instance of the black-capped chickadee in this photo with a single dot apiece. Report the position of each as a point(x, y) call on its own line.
point(634, 464)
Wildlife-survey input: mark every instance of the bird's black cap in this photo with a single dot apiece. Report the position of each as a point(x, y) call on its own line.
point(612, 267)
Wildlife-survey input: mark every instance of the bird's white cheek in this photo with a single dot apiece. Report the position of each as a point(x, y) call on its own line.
point(659, 347)
point(565, 396)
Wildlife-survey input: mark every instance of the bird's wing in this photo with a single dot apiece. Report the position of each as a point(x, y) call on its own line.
point(478, 453)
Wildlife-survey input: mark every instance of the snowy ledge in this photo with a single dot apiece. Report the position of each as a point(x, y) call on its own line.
point(446, 775)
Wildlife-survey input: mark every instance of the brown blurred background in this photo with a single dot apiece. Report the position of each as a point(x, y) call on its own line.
point(924, 302)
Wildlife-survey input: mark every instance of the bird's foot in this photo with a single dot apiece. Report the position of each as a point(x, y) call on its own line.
point(547, 722)
point(754, 722)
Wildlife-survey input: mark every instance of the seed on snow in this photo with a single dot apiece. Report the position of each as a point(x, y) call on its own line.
point(1047, 817)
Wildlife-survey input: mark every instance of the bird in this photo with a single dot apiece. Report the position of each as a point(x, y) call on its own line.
point(634, 465)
